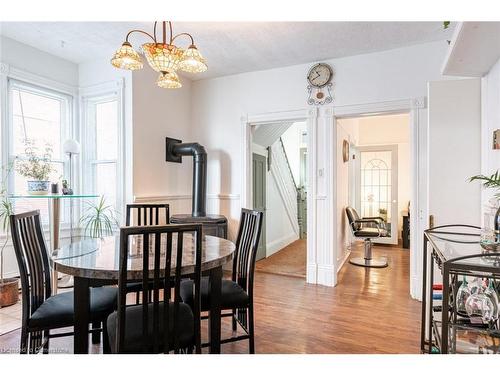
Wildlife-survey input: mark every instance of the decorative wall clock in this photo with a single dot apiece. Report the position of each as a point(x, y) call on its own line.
point(320, 84)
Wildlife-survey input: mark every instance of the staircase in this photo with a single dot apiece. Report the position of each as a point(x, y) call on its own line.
point(282, 174)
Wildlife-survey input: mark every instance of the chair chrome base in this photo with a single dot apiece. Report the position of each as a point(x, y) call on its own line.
point(367, 260)
point(372, 263)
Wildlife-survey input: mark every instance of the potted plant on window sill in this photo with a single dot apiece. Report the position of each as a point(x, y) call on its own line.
point(9, 287)
point(36, 168)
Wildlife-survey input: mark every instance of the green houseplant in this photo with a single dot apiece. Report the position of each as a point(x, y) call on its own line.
point(98, 219)
point(9, 294)
point(36, 167)
point(492, 182)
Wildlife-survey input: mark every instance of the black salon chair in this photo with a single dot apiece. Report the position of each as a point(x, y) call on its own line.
point(365, 229)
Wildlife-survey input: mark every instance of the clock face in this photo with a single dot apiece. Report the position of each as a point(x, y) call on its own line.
point(320, 75)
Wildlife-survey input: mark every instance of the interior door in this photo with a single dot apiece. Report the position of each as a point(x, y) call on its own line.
point(259, 168)
point(377, 186)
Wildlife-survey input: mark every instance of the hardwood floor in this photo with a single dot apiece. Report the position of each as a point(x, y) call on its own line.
point(370, 311)
point(289, 261)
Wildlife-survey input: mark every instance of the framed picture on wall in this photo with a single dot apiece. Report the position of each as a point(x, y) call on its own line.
point(345, 151)
point(496, 139)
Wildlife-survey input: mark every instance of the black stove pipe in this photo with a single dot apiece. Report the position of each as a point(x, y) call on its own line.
point(199, 155)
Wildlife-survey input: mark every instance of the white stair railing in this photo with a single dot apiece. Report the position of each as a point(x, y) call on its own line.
point(280, 170)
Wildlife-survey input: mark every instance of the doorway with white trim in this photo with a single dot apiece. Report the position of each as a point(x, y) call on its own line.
point(374, 195)
point(279, 188)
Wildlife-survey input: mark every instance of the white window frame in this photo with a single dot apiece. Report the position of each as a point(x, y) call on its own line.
point(90, 96)
point(31, 82)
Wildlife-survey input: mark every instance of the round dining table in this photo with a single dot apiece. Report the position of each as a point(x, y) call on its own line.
point(95, 262)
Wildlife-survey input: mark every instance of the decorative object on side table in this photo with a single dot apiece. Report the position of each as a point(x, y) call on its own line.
point(99, 219)
point(490, 234)
point(66, 190)
point(9, 293)
point(35, 167)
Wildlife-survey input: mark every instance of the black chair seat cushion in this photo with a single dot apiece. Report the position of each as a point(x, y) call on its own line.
point(370, 232)
point(232, 295)
point(58, 310)
point(133, 342)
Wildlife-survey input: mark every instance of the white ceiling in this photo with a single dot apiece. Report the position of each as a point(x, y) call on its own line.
point(232, 47)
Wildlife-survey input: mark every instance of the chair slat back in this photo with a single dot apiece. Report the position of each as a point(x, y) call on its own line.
point(147, 214)
point(32, 260)
point(155, 245)
point(247, 244)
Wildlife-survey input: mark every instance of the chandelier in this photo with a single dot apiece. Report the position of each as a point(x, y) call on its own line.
point(165, 58)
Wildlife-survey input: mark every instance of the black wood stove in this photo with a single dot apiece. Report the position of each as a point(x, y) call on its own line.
point(213, 225)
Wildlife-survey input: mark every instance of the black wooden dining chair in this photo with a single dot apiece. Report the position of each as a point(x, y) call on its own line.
point(237, 293)
point(42, 311)
point(157, 326)
point(141, 215)
point(147, 214)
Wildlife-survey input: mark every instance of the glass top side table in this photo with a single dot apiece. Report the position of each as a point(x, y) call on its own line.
point(54, 201)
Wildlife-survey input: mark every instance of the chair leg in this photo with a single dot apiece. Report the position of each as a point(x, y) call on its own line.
point(96, 336)
point(235, 326)
point(35, 342)
point(46, 344)
point(106, 348)
point(24, 341)
point(251, 341)
point(137, 297)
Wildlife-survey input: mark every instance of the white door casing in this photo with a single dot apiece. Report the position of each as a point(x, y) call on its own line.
point(322, 267)
point(416, 107)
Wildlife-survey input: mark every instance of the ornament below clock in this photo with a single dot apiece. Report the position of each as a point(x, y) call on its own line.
point(320, 84)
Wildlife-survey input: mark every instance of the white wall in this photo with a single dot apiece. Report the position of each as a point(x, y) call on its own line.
point(43, 64)
point(490, 121)
point(159, 113)
point(279, 230)
point(292, 142)
point(346, 129)
point(454, 151)
point(218, 104)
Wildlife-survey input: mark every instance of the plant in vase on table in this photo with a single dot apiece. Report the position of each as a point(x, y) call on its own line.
point(36, 167)
point(490, 236)
point(9, 293)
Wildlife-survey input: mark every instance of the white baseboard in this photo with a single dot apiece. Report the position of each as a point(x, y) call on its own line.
point(326, 275)
point(278, 244)
point(343, 260)
point(416, 290)
point(311, 273)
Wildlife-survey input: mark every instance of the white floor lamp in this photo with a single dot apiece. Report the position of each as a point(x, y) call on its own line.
point(71, 147)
